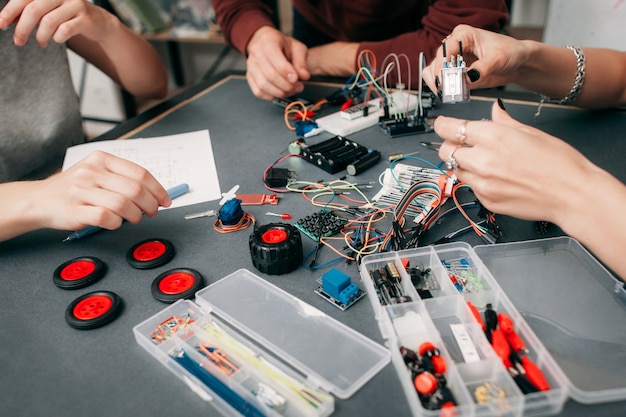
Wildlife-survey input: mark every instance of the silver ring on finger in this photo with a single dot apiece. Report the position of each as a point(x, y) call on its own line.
point(450, 161)
point(461, 134)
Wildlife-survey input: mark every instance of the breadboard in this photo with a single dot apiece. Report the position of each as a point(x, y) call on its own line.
point(401, 102)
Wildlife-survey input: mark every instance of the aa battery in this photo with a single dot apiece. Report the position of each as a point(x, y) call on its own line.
point(360, 165)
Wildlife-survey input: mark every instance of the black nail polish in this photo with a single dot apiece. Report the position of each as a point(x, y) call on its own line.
point(473, 75)
point(501, 104)
point(437, 83)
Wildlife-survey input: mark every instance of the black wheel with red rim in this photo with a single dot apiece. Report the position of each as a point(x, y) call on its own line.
point(78, 273)
point(93, 310)
point(150, 253)
point(176, 284)
point(276, 248)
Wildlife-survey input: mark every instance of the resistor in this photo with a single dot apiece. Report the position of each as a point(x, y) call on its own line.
point(394, 156)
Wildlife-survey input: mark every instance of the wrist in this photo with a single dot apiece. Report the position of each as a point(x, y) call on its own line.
point(258, 37)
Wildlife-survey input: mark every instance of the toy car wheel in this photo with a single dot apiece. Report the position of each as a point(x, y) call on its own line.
point(78, 273)
point(93, 310)
point(276, 248)
point(176, 284)
point(150, 253)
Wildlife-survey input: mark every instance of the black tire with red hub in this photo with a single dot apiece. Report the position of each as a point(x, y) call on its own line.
point(276, 248)
point(176, 284)
point(93, 310)
point(150, 253)
point(78, 273)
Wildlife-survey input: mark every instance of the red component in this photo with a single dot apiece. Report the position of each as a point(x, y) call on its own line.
point(77, 270)
point(425, 347)
point(274, 236)
point(506, 325)
point(405, 263)
point(534, 374)
point(501, 347)
point(92, 307)
point(476, 314)
point(439, 364)
point(149, 251)
point(425, 383)
point(347, 104)
point(448, 409)
point(176, 283)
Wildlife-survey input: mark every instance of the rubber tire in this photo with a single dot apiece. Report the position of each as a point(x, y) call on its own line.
point(276, 257)
point(100, 320)
point(84, 280)
point(154, 262)
point(187, 292)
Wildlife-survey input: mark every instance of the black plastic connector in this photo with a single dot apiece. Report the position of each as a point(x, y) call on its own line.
point(277, 177)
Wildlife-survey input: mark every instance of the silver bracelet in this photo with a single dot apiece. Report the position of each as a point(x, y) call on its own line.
point(577, 86)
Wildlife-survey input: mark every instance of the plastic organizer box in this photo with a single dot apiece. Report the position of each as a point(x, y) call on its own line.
point(255, 350)
point(566, 308)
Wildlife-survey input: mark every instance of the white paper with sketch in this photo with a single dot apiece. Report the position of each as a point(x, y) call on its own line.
point(175, 159)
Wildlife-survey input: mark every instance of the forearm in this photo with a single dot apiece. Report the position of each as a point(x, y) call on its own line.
point(127, 58)
point(18, 209)
point(594, 216)
point(240, 19)
point(550, 70)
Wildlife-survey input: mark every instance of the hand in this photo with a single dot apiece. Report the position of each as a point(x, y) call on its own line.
point(518, 170)
point(337, 59)
point(101, 190)
point(492, 59)
point(276, 64)
point(58, 20)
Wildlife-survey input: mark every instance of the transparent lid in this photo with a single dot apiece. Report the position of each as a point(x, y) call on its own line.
point(575, 307)
point(332, 355)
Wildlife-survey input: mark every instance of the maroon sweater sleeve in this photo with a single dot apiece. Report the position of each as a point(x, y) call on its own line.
point(239, 19)
point(442, 17)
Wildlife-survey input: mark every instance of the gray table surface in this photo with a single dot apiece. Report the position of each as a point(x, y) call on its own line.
point(50, 369)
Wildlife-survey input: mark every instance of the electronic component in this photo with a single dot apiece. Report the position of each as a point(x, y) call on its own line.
point(387, 282)
point(338, 125)
point(276, 248)
point(278, 177)
point(363, 163)
point(320, 224)
point(454, 88)
point(358, 110)
point(337, 289)
point(334, 154)
point(285, 101)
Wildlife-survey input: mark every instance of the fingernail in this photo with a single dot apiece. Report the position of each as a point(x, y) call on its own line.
point(437, 82)
point(292, 77)
point(501, 104)
point(473, 75)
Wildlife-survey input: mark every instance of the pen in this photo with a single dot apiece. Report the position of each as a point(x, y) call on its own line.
point(173, 192)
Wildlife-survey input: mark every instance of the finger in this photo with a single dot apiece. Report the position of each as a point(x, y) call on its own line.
point(55, 25)
point(31, 15)
point(501, 116)
point(109, 206)
point(262, 89)
point(127, 170)
point(298, 57)
point(459, 131)
point(11, 11)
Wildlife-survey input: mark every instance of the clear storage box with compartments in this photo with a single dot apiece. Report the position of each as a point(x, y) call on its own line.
point(566, 308)
point(255, 350)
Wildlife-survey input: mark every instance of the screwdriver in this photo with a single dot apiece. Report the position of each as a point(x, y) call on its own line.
point(284, 216)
